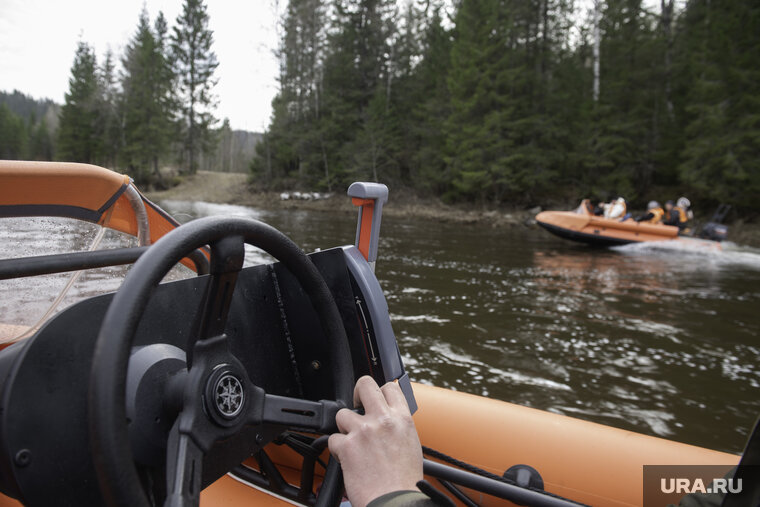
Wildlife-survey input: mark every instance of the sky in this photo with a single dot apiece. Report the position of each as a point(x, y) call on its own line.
point(38, 39)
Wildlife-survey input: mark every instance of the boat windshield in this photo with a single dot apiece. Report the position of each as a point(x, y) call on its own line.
point(26, 303)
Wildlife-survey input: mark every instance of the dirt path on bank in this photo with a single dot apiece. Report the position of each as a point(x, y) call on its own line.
point(233, 188)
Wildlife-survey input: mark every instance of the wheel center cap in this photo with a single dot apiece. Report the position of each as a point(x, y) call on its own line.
point(229, 396)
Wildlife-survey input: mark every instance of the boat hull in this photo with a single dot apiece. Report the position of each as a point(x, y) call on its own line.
point(594, 230)
point(588, 462)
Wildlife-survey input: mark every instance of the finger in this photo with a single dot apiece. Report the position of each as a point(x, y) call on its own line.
point(368, 395)
point(335, 444)
point(395, 397)
point(347, 420)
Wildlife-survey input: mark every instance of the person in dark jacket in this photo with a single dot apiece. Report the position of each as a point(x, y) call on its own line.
point(671, 214)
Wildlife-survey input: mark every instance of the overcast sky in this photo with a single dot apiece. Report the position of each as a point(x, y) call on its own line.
point(38, 39)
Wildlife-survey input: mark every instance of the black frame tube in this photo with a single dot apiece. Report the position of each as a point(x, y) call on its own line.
point(73, 261)
point(493, 487)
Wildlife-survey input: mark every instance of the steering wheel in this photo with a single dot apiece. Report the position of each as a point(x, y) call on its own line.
point(215, 398)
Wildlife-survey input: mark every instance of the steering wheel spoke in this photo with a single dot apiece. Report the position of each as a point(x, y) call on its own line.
point(227, 256)
point(184, 464)
point(316, 416)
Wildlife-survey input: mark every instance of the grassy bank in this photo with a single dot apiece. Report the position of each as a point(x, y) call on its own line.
point(233, 188)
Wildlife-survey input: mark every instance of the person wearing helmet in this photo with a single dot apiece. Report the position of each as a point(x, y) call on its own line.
point(678, 214)
point(653, 215)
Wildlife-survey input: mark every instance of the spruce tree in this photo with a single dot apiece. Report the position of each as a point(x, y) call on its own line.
point(622, 145)
point(13, 135)
point(721, 111)
point(108, 121)
point(147, 103)
point(78, 139)
point(428, 105)
point(194, 64)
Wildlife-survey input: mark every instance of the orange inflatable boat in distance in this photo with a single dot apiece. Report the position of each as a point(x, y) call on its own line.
point(583, 226)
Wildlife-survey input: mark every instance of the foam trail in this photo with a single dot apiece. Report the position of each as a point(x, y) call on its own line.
point(726, 254)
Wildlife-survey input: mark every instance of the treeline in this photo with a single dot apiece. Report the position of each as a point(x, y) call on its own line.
point(157, 109)
point(160, 106)
point(27, 127)
point(519, 101)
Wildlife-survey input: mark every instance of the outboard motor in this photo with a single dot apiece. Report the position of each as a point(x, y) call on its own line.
point(714, 229)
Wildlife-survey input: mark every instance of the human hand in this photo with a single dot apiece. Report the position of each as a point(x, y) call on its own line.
point(379, 451)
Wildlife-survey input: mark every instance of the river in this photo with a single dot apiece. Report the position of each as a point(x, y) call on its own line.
point(652, 339)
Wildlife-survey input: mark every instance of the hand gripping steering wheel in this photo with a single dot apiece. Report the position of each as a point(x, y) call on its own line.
point(215, 398)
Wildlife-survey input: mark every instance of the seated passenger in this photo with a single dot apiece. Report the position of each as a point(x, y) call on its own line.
point(684, 204)
point(653, 215)
point(615, 209)
point(677, 214)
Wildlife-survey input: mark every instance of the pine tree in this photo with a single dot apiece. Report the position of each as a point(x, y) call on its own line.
point(13, 135)
point(40, 141)
point(427, 100)
point(195, 63)
point(622, 145)
point(78, 139)
point(147, 102)
point(108, 121)
point(498, 140)
point(721, 83)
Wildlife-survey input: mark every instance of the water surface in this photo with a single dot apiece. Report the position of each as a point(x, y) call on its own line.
point(655, 339)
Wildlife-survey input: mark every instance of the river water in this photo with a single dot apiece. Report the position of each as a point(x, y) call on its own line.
point(657, 340)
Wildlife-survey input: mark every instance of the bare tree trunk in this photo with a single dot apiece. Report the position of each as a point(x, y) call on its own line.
point(597, 42)
point(157, 172)
point(324, 161)
point(388, 86)
point(666, 9)
point(269, 158)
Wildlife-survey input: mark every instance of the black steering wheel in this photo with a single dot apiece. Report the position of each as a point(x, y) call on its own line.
point(214, 396)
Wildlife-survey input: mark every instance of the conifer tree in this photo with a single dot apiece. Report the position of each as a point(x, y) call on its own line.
point(108, 121)
point(78, 139)
point(194, 64)
point(621, 148)
point(40, 141)
point(147, 104)
point(428, 105)
point(721, 84)
point(13, 135)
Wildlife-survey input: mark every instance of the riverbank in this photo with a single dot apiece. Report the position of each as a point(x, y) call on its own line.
point(233, 188)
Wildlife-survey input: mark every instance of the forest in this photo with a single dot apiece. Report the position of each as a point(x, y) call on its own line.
point(520, 102)
point(153, 107)
point(494, 102)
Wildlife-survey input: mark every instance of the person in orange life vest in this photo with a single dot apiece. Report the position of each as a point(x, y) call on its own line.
point(653, 215)
point(679, 214)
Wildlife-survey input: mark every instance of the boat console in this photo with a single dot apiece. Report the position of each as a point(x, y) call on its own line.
point(187, 379)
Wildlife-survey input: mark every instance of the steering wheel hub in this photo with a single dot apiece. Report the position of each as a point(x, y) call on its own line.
point(225, 395)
